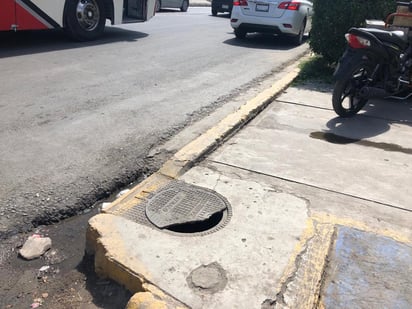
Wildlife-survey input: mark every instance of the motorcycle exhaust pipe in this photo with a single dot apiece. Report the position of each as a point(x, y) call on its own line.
point(372, 93)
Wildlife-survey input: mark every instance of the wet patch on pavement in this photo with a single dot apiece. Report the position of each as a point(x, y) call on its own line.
point(367, 270)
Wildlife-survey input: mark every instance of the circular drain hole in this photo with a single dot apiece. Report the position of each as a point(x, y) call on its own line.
point(188, 209)
point(197, 227)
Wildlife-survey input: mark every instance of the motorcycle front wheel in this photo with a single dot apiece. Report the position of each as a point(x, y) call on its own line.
point(346, 100)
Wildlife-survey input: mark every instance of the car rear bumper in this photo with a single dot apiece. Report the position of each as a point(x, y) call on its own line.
point(258, 28)
point(222, 7)
point(263, 24)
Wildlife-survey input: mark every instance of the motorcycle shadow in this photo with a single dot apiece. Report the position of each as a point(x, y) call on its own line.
point(376, 118)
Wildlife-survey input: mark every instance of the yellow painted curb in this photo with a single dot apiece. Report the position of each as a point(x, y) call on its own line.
point(137, 194)
point(112, 260)
point(145, 300)
point(395, 235)
point(153, 298)
point(301, 283)
point(185, 158)
point(109, 252)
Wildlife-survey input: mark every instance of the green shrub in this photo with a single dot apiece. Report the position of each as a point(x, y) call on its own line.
point(332, 19)
point(315, 68)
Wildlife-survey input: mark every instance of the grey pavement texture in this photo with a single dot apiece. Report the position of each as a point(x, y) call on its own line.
point(294, 163)
point(367, 270)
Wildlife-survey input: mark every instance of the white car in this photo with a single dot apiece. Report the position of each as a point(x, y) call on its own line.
point(183, 5)
point(292, 18)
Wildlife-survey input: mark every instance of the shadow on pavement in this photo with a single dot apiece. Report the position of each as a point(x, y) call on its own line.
point(396, 111)
point(222, 15)
point(375, 119)
point(32, 42)
point(262, 41)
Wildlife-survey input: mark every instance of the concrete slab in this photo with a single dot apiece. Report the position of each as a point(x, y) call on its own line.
point(298, 143)
point(252, 250)
point(367, 270)
point(327, 206)
point(378, 117)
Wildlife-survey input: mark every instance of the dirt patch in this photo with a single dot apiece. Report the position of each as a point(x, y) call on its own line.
point(64, 277)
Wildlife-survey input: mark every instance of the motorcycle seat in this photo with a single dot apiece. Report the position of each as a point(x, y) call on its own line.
point(397, 37)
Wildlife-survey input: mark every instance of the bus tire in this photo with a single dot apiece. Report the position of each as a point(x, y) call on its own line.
point(84, 19)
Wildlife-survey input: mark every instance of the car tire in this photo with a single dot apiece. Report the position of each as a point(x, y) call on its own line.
point(84, 20)
point(185, 6)
point(158, 5)
point(240, 34)
point(298, 39)
point(214, 12)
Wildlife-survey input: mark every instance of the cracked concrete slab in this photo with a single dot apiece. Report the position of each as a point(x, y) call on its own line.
point(252, 250)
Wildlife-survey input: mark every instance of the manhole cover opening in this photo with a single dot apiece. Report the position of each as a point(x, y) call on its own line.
point(199, 226)
point(186, 209)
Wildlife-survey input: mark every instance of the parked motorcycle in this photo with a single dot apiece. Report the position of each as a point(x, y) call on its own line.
point(376, 64)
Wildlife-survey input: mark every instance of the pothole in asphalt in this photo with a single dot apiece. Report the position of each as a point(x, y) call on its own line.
point(184, 209)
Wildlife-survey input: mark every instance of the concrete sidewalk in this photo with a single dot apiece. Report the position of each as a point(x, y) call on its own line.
point(299, 209)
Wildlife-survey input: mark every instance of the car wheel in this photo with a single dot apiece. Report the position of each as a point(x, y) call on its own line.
point(298, 39)
point(214, 12)
point(185, 6)
point(240, 34)
point(158, 5)
point(84, 19)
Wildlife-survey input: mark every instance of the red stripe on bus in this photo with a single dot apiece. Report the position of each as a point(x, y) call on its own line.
point(26, 21)
point(7, 14)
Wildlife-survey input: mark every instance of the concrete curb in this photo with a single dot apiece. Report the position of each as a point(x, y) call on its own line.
point(193, 152)
point(153, 299)
point(301, 283)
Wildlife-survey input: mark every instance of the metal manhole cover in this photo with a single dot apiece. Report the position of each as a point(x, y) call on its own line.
point(182, 203)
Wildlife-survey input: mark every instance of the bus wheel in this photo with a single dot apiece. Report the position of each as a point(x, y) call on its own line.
point(84, 19)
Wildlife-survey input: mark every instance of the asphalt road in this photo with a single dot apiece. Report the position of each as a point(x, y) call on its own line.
point(78, 120)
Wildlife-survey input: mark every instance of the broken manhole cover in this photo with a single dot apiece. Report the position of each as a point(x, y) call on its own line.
point(187, 208)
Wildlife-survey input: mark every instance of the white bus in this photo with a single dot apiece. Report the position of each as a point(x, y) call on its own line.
point(82, 19)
